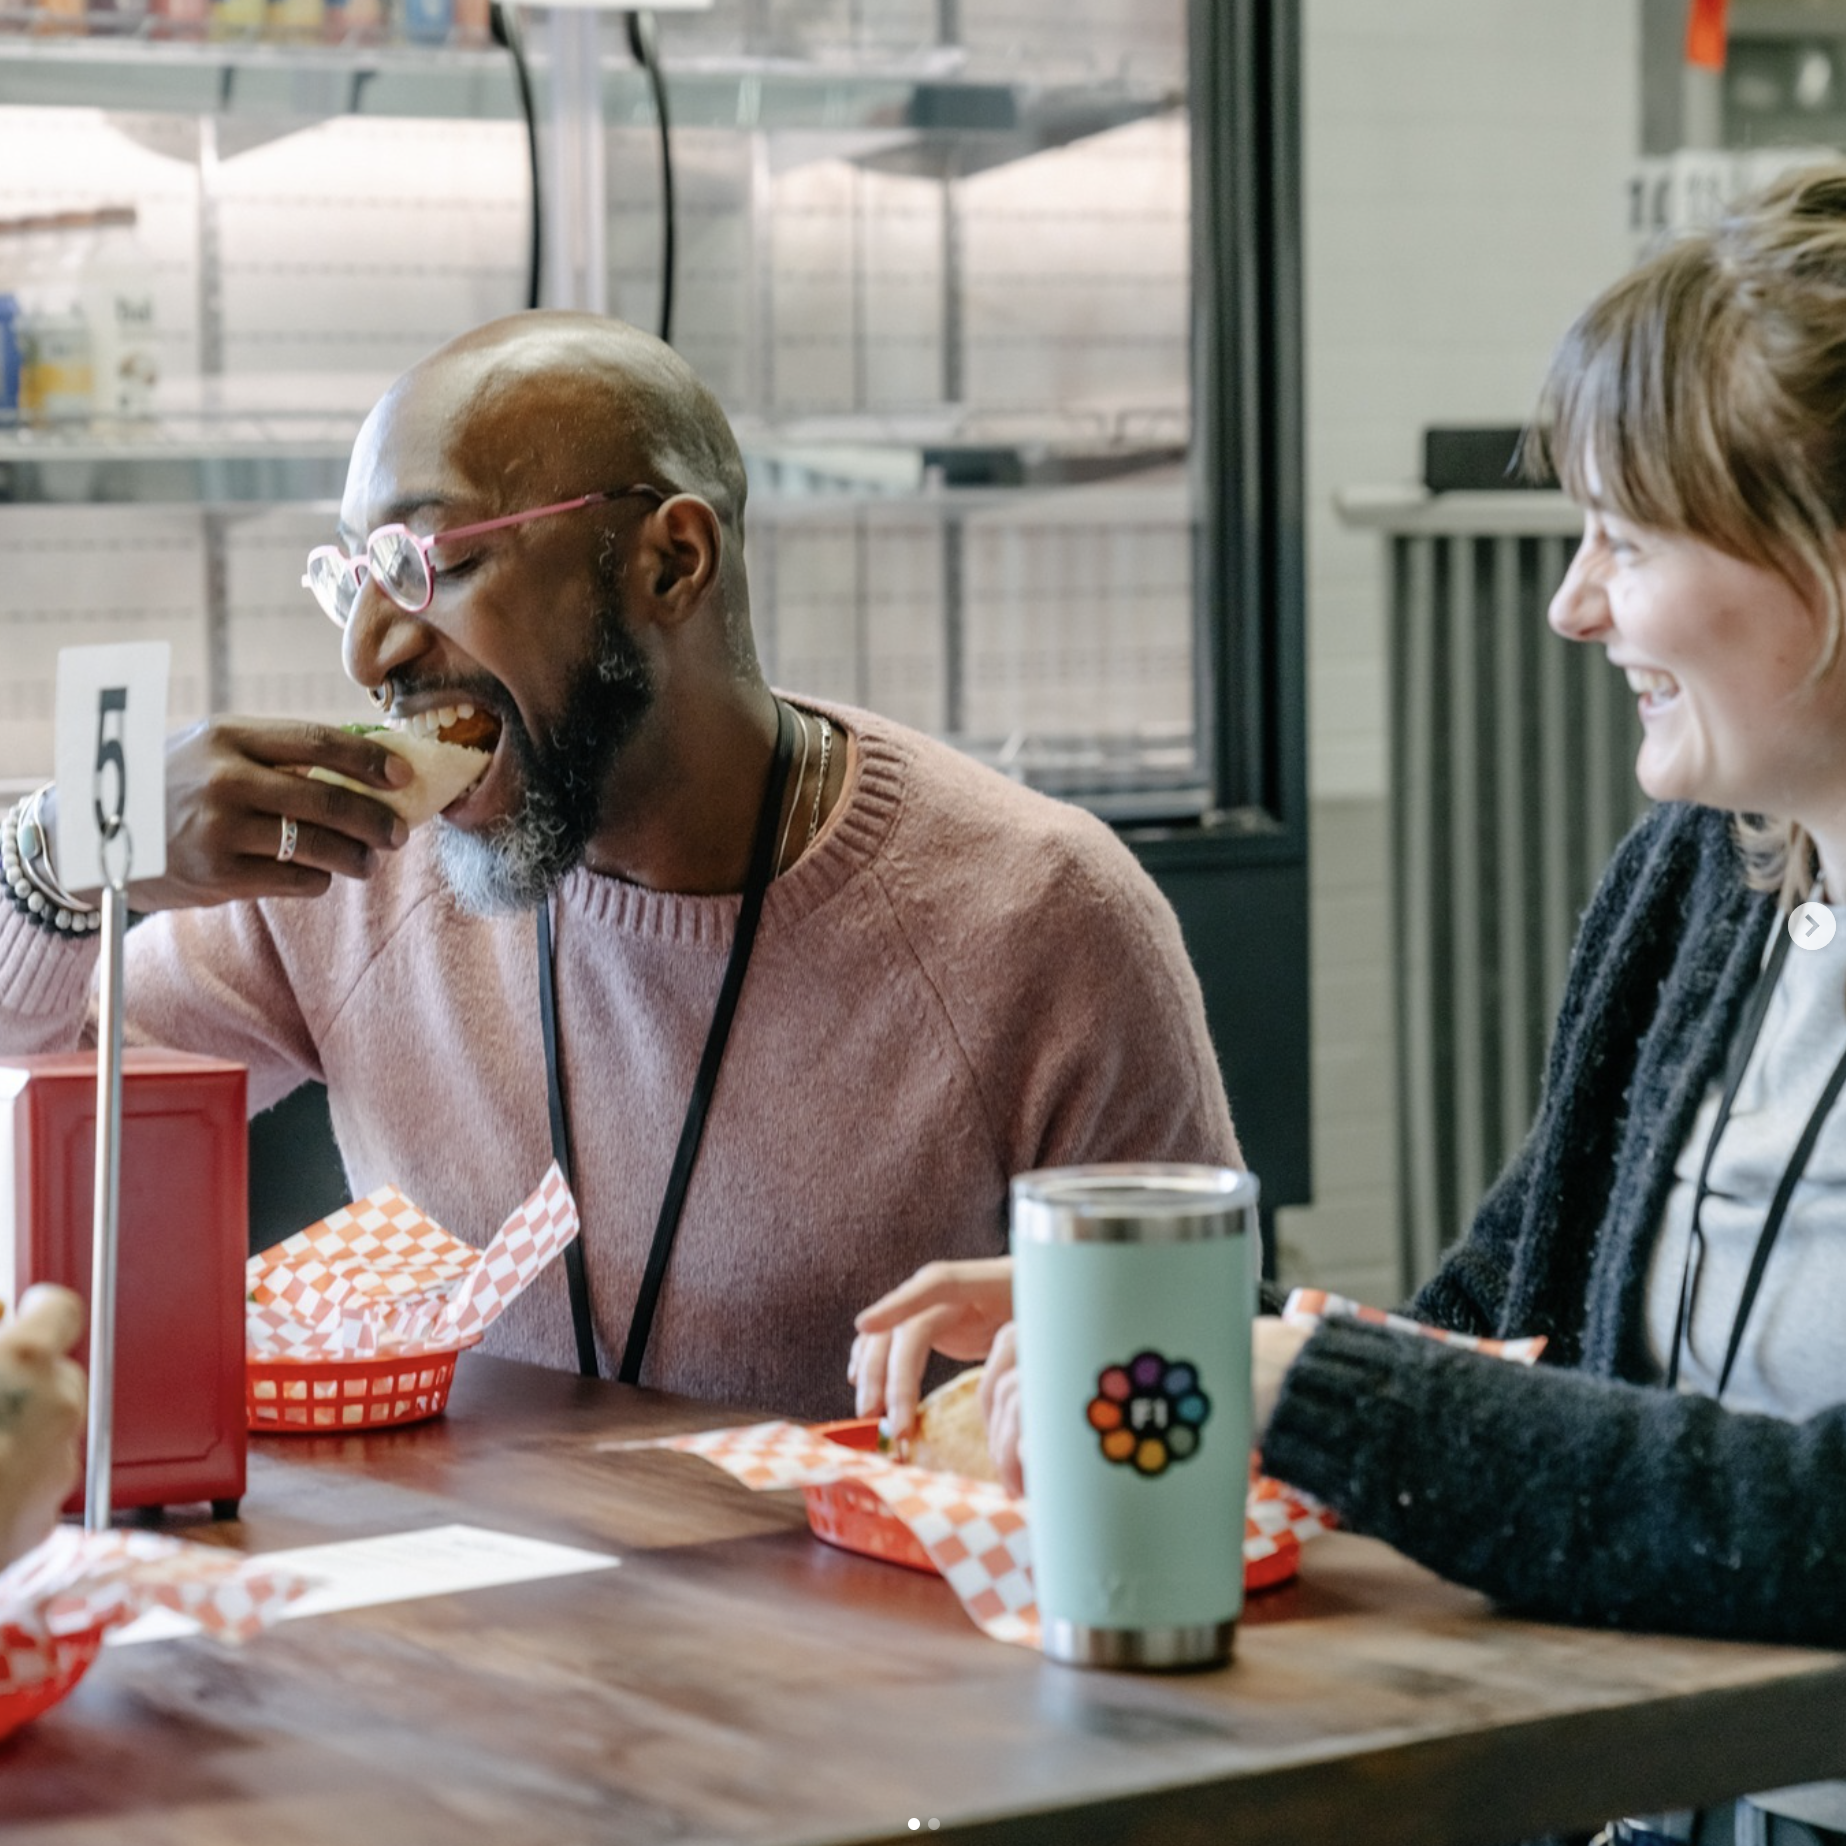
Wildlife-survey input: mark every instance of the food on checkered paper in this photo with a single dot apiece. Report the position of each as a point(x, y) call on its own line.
point(857, 1500)
point(950, 1433)
point(59, 1601)
point(380, 1278)
point(449, 749)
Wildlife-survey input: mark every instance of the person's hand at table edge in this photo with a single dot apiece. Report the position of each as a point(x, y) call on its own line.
point(1274, 1347)
point(964, 1310)
point(1000, 1406)
point(245, 821)
point(951, 1308)
point(42, 1403)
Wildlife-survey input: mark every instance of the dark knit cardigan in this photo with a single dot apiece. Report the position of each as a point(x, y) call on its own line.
point(1580, 1490)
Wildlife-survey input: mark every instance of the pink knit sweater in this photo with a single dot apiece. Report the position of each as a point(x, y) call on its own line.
point(959, 981)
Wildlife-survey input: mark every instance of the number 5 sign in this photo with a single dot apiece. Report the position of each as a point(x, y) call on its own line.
point(111, 763)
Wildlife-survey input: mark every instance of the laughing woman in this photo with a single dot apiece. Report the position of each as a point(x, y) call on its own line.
point(1675, 1223)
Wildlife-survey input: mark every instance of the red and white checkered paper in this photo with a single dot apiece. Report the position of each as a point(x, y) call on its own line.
point(58, 1600)
point(1305, 1307)
point(977, 1535)
point(378, 1278)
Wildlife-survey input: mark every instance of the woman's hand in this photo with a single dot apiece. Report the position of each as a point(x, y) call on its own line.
point(42, 1402)
point(1275, 1346)
point(232, 782)
point(952, 1308)
point(1000, 1405)
point(965, 1310)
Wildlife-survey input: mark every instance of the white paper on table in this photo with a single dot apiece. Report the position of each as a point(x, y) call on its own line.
point(397, 1567)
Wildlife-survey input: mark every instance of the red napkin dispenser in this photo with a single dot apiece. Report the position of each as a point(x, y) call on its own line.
point(182, 1240)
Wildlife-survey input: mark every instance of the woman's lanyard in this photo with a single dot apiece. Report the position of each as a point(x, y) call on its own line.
point(1749, 1030)
point(762, 869)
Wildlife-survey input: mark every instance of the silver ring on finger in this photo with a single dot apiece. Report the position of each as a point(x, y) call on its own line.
point(291, 833)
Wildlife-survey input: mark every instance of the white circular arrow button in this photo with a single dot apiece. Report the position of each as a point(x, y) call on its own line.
point(1811, 926)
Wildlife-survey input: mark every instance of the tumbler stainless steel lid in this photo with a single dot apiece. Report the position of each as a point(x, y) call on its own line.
point(1132, 1202)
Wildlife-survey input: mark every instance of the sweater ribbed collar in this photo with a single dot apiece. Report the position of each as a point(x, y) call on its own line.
point(853, 835)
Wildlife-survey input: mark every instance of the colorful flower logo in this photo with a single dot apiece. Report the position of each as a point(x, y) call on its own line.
point(1149, 1412)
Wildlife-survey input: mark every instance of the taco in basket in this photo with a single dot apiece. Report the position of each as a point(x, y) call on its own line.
point(950, 1433)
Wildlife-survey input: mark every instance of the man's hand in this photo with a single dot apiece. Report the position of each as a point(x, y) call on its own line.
point(41, 1415)
point(952, 1308)
point(231, 782)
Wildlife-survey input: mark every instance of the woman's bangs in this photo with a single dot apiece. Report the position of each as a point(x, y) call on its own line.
point(1619, 440)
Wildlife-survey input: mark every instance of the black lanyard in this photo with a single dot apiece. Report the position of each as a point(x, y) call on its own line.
point(1748, 1032)
point(762, 869)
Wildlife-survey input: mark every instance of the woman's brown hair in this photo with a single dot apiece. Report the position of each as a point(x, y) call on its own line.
point(1705, 393)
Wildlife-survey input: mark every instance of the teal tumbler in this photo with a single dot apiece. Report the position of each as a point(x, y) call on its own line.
point(1134, 1288)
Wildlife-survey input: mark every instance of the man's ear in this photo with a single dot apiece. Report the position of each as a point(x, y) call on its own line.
point(679, 549)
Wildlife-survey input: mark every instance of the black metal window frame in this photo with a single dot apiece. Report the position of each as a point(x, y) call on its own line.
point(1247, 448)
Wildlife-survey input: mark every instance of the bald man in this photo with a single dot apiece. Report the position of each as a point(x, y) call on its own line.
point(952, 979)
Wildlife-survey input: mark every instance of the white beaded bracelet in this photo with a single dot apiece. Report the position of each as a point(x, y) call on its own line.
point(37, 895)
point(35, 853)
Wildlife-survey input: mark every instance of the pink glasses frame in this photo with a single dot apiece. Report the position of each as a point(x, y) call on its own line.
point(358, 567)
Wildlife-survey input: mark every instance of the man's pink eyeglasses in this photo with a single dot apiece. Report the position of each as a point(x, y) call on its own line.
point(399, 559)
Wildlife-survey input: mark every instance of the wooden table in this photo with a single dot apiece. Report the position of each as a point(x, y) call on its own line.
point(736, 1680)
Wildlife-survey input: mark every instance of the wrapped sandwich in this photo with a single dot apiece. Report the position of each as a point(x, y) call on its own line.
point(950, 1433)
point(448, 763)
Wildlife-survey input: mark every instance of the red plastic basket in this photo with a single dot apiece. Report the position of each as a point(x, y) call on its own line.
point(318, 1397)
point(69, 1659)
point(848, 1514)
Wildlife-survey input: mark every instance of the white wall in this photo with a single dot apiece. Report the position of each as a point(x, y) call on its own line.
point(1464, 197)
point(1465, 163)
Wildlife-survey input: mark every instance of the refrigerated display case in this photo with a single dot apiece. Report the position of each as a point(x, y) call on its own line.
point(1002, 301)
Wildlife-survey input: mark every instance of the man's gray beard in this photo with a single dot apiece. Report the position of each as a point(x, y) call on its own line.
point(510, 868)
point(515, 864)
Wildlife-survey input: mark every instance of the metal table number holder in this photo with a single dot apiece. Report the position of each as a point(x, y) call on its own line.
point(109, 743)
point(100, 1459)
